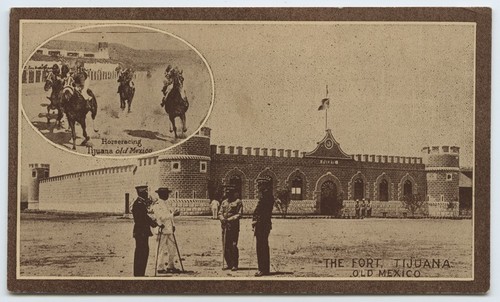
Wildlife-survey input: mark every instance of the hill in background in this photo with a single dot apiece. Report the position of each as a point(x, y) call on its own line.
point(137, 59)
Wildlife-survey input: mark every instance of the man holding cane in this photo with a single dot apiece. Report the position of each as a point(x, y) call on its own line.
point(230, 212)
point(164, 213)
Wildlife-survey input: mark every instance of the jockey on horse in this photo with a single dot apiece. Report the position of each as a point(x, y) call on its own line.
point(125, 77)
point(126, 87)
point(54, 82)
point(78, 100)
point(79, 80)
point(56, 71)
point(168, 83)
point(174, 99)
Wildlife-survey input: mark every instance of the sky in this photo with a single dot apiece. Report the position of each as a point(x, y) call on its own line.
point(394, 88)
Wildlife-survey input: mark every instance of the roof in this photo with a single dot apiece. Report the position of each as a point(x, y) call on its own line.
point(464, 181)
point(328, 147)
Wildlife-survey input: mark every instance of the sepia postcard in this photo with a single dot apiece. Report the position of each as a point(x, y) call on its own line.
point(249, 151)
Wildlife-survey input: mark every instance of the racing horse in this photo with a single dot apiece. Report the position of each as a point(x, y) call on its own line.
point(55, 97)
point(126, 89)
point(76, 109)
point(175, 105)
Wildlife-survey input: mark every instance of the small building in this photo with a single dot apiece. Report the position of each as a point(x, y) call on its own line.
point(55, 48)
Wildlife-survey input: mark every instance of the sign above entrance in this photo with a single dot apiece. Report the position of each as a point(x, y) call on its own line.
point(328, 162)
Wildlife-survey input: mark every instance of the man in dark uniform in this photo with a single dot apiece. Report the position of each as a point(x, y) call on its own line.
point(142, 230)
point(230, 212)
point(261, 224)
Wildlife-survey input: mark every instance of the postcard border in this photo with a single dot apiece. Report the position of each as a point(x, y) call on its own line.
point(480, 16)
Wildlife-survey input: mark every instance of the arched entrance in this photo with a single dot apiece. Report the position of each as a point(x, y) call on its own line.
point(359, 189)
point(407, 188)
point(329, 204)
point(383, 190)
point(235, 181)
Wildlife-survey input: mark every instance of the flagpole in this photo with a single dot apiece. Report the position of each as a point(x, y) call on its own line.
point(326, 119)
point(326, 114)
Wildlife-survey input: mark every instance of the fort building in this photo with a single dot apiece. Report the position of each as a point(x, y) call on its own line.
point(324, 181)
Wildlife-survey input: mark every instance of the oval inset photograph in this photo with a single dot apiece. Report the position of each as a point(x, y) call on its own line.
point(117, 90)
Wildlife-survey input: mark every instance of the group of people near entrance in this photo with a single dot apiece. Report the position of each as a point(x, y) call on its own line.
point(363, 209)
point(160, 215)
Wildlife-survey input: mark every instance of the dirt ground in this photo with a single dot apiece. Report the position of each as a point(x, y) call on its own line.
point(95, 245)
point(147, 120)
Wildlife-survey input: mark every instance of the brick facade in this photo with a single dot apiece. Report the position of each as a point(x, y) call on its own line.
point(319, 178)
point(317, 167)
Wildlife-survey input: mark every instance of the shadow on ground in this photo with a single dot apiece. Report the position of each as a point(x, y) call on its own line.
point(61, 138)
point(145, 134)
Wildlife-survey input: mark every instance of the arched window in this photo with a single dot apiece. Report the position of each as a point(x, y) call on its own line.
point(383, 190)
point(359, 189)
point(297, 188)
point(407, 188)
point(235, 181)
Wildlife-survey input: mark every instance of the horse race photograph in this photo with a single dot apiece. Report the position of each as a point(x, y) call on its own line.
point(116, 90)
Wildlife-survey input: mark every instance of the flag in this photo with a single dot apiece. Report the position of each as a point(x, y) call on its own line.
point(325, 104)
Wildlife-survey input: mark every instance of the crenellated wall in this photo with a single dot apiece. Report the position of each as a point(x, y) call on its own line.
point(187, 169)
point(283, 164)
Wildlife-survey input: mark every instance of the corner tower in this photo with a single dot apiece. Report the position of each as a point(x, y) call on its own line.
point(38, 172)
point(185, 169)
point(443, 173)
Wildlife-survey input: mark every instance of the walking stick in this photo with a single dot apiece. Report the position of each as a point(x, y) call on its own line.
point(178, 253)
point(157, 251)
point(223, 244)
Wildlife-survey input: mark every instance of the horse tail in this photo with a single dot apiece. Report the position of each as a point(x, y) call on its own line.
point(94, 108)
point(93, 104)
point(186, 102)
point(89, 92)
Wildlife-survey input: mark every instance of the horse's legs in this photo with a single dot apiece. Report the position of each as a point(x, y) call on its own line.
point(73, 132)
point(85, 135)
point(59, 118)
point(172, 124)
point(48, 115)
point(183, 119)
point(129, 101)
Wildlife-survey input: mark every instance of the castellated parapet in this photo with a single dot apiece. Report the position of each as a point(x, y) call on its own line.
point(289, 153)
point(446, 157)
